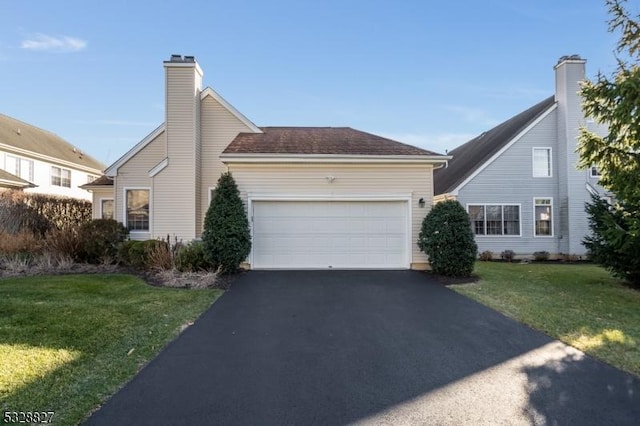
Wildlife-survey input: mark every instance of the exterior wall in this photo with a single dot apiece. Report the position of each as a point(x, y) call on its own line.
point(97, 196)
point(218, 128)
point(175, 186)
point(356, 179)
point(509, 180)
point(42, 177)
point(135, 174)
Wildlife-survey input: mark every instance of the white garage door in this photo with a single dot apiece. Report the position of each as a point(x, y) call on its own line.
point(330, 234)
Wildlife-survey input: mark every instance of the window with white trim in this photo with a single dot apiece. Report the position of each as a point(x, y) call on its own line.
point(594, 172)
point(495, 219)
point(21, 167)
point(543, 217)
point(60, 177)
point(541, 162)
point(137, 215)
point(107, 208)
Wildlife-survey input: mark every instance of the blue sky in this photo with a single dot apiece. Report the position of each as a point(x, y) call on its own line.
point(433, 74)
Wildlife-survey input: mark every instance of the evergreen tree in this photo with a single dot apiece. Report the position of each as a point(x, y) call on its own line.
point(614, 101)
point(226, 237)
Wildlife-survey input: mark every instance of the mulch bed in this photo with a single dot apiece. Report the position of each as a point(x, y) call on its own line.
point(446, 281)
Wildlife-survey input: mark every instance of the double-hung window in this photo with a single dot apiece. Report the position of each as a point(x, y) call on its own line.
point(495, 219)
point(543, 217)
point(60, 177)
point(541, 162)
point(594, 172)
point(21, 167)
point(137, 209)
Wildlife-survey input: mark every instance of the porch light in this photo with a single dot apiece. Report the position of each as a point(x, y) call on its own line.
point(421, 203)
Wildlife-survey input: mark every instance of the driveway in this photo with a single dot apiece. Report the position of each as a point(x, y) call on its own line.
point(370, 347)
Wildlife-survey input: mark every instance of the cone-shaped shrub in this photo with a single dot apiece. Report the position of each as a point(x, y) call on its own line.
point(226, 237)
point(447, 239)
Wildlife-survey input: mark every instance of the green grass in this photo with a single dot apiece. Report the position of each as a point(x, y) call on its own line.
point(69, 342)
point(580, 305)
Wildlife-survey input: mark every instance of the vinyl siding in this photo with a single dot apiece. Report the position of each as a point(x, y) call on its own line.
point(175, 186)
point(98, 195)
point(509, 180)
point(135, 174)
point(218, 128)
point(350, 180)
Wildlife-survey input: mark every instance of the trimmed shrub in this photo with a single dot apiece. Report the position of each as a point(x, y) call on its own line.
point(541, 256)
point(226, 237)
point(191, 258)
point(447, 239)
point(508, 255)
point(101, 239)
point(17, 217)
point(51, 210)
point(486, 256)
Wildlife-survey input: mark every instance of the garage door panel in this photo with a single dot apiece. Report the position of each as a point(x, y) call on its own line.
point(363, 234)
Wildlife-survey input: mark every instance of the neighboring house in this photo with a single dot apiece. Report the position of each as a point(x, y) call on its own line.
point(520, 182)
point(316, 197)
point(36, 160)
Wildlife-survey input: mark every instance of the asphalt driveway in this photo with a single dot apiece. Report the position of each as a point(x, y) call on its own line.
point(370, 347)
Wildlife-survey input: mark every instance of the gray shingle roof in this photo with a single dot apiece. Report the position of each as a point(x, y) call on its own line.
point(319, 140)
point(468, 157)
point(101, 181)
point(14, 181)
point(21, 135)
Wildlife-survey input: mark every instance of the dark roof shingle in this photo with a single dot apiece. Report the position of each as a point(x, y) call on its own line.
point(468, 157)
point(31, 138)
point(319, 141)
point(101, 181)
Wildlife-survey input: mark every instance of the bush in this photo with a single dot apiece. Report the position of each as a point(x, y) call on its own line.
point(191, 258)
point(447, 239)
point(148, 254)
point(541, 256)
point(486, 256)
point(101, 239)
point(158, 256)
point(66, 242)
point(46, 211)
point(226, 237)
point(17, 217)
point(508, 255)
point(19, 243)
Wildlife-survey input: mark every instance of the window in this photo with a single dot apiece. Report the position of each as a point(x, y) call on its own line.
point(107, 208)
point(495, 219)
point(541, 162)
point(543, 217)
point(21, 167)
point(594, 172)
point(137, 209)
point(60, 177)
point(91, 178)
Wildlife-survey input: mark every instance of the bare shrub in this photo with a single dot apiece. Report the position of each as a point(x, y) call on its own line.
point(192, 280)
point(65, 241)
point(159, 256)
point(21, 242)
point(486, 256)
point(17, 263)
point(508, 255)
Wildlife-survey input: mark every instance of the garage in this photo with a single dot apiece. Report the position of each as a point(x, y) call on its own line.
point(322, 234)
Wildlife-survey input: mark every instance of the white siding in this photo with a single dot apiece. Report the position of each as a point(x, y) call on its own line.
point(351, 180)
point(42, 177)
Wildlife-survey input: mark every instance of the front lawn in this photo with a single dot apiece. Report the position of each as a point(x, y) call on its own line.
point(69, 342)
point(578, 304)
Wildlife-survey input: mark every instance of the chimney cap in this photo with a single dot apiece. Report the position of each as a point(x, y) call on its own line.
point(189, 58)
point(176, 58)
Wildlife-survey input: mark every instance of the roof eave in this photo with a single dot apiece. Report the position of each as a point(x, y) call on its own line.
point(330, 158)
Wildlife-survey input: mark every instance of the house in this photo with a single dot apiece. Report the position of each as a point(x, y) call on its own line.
point(519, 181)
point(35, 160)
point(316, 197)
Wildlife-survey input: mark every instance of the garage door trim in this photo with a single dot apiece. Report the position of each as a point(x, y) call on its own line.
point(406, 198)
